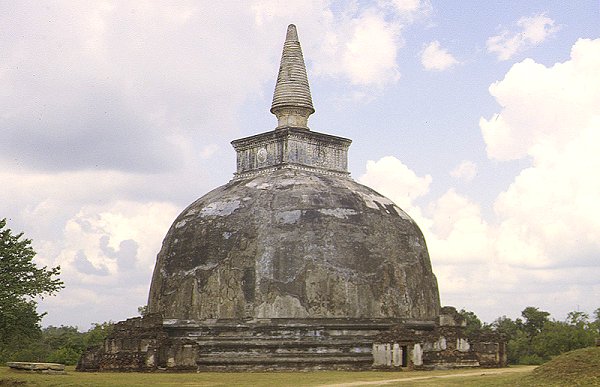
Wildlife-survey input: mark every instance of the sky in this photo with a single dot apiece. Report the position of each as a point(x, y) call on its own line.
point(481, 119)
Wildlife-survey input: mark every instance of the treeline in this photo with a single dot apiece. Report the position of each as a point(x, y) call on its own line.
point(536, 338)
point(63, 344)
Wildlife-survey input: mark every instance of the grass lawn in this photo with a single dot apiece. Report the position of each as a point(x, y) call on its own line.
point(476, 377)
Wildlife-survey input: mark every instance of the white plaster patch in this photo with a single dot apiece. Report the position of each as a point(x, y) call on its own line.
point(286, 182)
point(381, 355)
point(181, 223)
point(440, 344)
point(462, 345)
point(220, 208)
point(207, 266)
point(253, 184)
point(288, 217)
point(341, 213)
point(264, 267)
point(264, 186)
point(401, 213)
point(417, 355)
point(372, 201)
point(397, 355)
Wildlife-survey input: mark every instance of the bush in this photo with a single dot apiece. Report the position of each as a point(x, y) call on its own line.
point(67, 356)
point(531, 360)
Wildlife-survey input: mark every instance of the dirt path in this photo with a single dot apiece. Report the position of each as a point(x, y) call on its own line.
point(425, 377)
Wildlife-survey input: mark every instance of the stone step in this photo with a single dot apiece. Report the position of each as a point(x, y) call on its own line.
point(252, 332)
point(295, 323)
point(282, 344)
point(270, 359)
point(286, 350)
point(302, 341)
point(278, 367)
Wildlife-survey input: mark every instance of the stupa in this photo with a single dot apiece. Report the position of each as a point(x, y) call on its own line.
point(290, 265)
point(292, 235)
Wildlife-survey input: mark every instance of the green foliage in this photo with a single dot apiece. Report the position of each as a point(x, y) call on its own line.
point(20, 282)
point(531, 360)
point(65, 344)
point(97, 334)
point(473, 322)
point(534, 320)
point(537, 338)
point(20, 276)
point(64, 355)
point(505, 326)
point(518, 348)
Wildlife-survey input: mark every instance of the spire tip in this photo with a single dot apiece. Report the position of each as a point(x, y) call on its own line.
point(292, 102)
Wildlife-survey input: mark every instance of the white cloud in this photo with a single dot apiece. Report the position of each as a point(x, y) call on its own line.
point(409, 9)
point(446, 223)
point(390, 177)
point(533, 31)
point(370, 55)
point(550, 207)
point(362, 48)
point(107, 252)
point(547, 223)
point(466, 170)
point(541, 247)
point(565, 97)
point(208, 151)
point(434, 57)
point(103, 85)
point(456, 220)
point(359, 44)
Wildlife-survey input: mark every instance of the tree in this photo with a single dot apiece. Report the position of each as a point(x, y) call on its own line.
point(596, 323)
point(63, 344)
point(534, 320)
point(505, 326)
point(473, 322)
point(20, 282)
point(97, 334)
point(539, 338)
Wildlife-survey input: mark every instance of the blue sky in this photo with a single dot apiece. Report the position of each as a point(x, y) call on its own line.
point(480, 119)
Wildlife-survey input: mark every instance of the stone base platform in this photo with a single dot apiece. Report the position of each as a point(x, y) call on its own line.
point(283, 344)
point(151, 343)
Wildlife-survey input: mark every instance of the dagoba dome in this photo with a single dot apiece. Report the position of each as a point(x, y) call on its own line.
point(292, 235)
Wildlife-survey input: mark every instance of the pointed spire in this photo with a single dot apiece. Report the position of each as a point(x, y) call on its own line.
point(292, 103)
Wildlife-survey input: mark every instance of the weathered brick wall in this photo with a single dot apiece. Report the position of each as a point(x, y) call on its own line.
point(133, 345)
point(446, 345)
